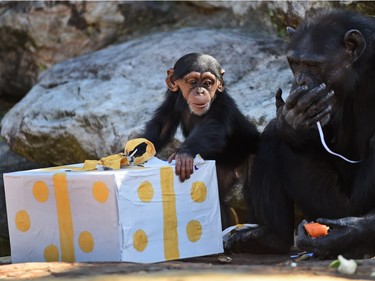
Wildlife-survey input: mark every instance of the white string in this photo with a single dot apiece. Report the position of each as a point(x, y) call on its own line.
point(321, 134)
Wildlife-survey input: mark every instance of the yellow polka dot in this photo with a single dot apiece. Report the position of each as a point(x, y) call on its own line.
point(86, 241)
point(146, 191)
point(40, 191)
point(51, 253)
point(194, 230)
point(100, 191)
point(140, 240)
point(198, 191)
point(22, 221)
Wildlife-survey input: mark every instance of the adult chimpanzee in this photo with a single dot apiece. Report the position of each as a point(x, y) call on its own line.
point(210, 120)
point(332, 57)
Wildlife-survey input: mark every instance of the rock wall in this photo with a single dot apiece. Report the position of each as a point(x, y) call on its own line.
point(38, 34)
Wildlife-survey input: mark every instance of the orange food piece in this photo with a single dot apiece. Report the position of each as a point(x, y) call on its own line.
point(316, 229)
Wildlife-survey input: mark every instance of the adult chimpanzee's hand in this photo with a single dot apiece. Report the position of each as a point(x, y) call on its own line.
point(254, 239)
point(304, 107)
point(344, 233)
point(184, 165)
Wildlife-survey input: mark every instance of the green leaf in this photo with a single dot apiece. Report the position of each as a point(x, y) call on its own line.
point(334, 264)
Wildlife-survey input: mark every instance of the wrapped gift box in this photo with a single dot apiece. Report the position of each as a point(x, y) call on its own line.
point(135, 214)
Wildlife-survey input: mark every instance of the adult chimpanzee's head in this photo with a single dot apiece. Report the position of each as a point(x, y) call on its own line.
point(330, 48)
point(198, 77)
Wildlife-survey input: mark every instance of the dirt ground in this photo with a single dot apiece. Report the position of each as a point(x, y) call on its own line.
point(209, 268)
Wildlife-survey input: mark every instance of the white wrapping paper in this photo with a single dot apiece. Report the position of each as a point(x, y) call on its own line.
point(133, 214)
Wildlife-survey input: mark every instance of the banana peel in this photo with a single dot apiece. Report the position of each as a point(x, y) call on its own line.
point(119, 160)
point(130, 147)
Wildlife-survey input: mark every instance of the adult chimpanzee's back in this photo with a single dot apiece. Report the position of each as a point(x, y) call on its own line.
point(329, 175)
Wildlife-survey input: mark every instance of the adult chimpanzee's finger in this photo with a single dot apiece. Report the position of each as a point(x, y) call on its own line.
point(321, 111)
point(294, 96)
point(323, 117)
point(301, 227)
point(332, 223)
point(311, 97)
point(326, 101)
point(304, 241)
point(343, 222)
point(279, 98)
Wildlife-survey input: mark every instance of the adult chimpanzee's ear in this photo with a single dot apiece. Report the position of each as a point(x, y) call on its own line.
point(171, 86)
point(220, 88)
point(290, 31)
point(355, 44)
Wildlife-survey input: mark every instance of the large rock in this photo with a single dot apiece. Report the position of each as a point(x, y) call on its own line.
point(89, 106)
point(34, 35)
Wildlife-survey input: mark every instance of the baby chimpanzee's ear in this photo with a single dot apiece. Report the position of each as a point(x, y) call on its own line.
point(221, 85)
point(169, 81)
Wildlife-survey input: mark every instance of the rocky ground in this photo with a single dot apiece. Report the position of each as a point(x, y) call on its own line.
point(241, 267)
